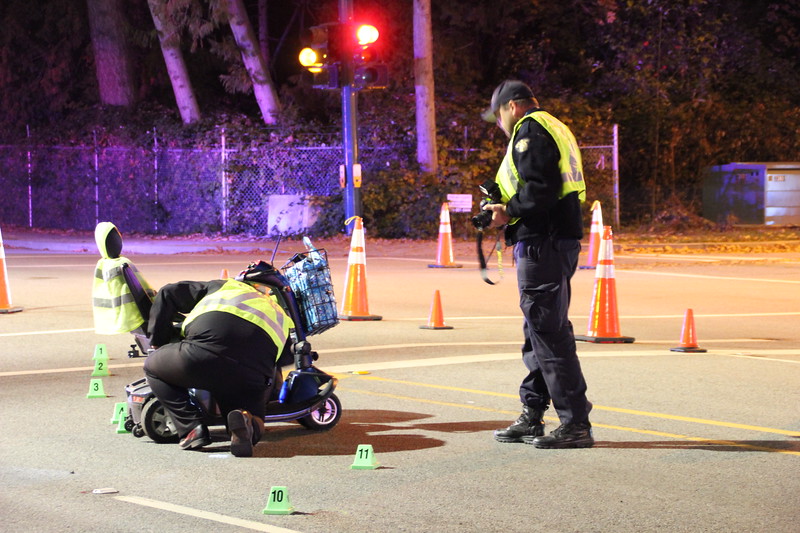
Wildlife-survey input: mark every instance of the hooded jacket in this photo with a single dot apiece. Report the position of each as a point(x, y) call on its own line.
point(113, 306)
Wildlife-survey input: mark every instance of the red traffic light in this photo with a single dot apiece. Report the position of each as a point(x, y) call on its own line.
point(366, 34)
point(368, 71)
point(341, 54)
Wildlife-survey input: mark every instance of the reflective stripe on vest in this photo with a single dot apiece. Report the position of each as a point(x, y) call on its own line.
point(570, 164)
point(242, 300)
point(113, 307)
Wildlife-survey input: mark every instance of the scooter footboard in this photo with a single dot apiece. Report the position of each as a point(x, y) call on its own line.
point(303, 391)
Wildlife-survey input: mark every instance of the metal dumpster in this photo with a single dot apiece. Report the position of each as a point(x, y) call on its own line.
point(753, 193)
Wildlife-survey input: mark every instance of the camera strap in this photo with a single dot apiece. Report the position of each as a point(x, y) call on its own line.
point(482, 257)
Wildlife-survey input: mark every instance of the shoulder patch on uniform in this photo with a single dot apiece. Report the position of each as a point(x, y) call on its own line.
point(522, 145)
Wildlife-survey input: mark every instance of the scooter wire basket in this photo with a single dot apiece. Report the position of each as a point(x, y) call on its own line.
point(310, 278)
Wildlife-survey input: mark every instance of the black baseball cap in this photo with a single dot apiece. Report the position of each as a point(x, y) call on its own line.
point(504, 93)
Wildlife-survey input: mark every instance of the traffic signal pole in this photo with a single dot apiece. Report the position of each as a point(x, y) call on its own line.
point(352, 190)
point(340, 55)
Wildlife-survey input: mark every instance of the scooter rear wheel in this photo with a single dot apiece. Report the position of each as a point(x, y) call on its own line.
point(325, 416)
point(157, 424)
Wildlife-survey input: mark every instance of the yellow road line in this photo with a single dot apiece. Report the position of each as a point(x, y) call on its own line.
point(707, 422)
point(604, 426)
point(700, 440)
point(649, 414)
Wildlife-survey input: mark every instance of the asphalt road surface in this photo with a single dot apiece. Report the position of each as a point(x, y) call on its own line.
point(685, 442)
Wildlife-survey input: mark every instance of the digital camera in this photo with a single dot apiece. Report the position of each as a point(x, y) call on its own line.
point(492, 195)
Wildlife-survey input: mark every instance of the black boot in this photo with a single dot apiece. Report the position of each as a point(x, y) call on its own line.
point(565, 436)
point(243, 432)
point(528, 424)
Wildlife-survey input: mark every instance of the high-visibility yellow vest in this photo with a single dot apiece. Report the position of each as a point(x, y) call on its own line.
point(570, 164)
point(113, 306)
point(242, 300)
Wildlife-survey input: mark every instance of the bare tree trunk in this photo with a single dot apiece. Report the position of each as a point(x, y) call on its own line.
point(264, 90)
point(176, 67)
point(112, 59)
point(423, 83)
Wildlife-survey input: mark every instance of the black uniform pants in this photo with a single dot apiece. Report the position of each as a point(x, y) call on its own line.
point(544, 269)
point(176, 367)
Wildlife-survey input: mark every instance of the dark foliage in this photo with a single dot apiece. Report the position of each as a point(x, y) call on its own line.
point(691, 83)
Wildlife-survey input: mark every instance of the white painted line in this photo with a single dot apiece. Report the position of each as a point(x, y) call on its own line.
point(449, 318)
point(627, 317)
point(422, 260)
point(705, 341)
point(760, 355)
point(12, 252)
point(416, 345)
point(666, 257)
point(465, 359)
point(497, 317)
point(138, 263)
point(488, 343)
point(419, 363)
point(46, 332)
point(50, 265)
point(701, 276)
point(691, 257)
point(506, 356)
point(718, 315)
point(62, 370)
point(206, 515)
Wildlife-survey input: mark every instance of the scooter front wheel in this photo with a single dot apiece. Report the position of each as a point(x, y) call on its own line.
point(157, 424)
point(325, 416)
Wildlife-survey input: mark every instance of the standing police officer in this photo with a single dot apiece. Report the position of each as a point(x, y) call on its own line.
point(231, 338)
point(541, 180)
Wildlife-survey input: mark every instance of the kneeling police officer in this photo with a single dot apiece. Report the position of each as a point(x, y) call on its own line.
point(231, 338)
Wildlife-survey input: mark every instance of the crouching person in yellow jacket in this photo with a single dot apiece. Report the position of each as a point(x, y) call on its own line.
point(232, 335)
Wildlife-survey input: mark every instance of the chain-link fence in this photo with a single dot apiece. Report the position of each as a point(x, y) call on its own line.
point(169, 190)
point(175, 191)
point(139, 189)
point(601, 173)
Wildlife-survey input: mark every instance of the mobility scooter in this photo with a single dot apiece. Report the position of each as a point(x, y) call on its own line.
point(303, 288)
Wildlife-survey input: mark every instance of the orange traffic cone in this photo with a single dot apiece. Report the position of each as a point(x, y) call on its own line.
point(5, 294)
point(223, 274)
point(595, 235)
point(436, 319)
point(603, 319)
point(354, 304)
point(688, 336)
point(444, 254)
